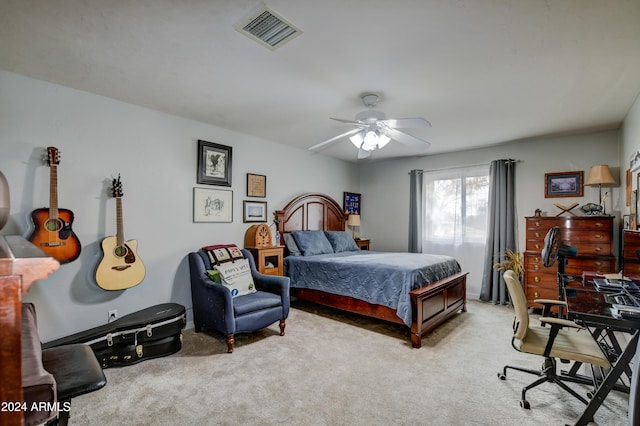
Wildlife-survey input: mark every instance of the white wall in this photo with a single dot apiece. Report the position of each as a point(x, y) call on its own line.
point(385, 186)
point(630, 139)
point(156, 154)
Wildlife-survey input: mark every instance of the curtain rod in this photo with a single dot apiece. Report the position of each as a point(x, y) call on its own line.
point(462, 167)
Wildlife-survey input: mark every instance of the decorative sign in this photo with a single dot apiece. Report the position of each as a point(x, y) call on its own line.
point(352, 204)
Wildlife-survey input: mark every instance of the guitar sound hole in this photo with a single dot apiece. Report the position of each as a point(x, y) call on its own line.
point(53, 225)
point(120, 251)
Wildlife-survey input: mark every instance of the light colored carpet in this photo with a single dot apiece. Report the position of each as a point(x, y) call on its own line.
point(334, 368)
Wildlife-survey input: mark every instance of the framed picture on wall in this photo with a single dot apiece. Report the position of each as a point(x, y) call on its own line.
point(256, 185)
point(254, 211)
point(214, 163)
point(352, 203)
point(212, 205)
point(633, 210)
point(564, 184)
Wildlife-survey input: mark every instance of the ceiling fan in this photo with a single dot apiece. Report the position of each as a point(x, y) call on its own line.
point(374, 131)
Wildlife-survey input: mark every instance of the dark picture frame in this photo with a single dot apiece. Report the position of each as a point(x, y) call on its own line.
point(214, 163)
point(352, 203)
point(212, 205)
point(564, 184)
point(256, 185)
point(254, 211)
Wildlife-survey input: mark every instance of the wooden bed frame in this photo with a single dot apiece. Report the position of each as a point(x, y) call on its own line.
point(431, 305)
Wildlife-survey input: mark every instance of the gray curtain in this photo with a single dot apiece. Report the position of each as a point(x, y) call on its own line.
point(416, 211)
point(502, 229)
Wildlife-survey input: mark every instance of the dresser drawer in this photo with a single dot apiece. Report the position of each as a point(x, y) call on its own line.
point(598, 249)
point(575, 266)
point(631, 269)
point(537, 292)
point(589, 223)
point(584, 235)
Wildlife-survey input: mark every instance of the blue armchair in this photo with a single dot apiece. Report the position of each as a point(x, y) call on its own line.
point(213, 306)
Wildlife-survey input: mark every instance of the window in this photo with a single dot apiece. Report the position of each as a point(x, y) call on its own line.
point(456, 205)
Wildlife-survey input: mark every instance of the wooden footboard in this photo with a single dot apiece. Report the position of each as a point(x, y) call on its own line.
point(431, 304)
point(435, 303)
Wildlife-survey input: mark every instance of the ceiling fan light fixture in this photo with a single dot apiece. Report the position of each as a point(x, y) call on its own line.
point(370, 141)
point(357, 139)
point(383, 140)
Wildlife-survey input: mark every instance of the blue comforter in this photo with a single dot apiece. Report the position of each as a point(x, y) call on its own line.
point(379, 278)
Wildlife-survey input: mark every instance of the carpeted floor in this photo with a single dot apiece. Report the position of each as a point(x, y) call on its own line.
point(334, 368)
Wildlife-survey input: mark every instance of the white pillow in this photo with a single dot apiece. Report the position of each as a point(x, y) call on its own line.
point(236, 276)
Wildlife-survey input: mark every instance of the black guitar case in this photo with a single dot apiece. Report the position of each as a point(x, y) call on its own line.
point(150, 333)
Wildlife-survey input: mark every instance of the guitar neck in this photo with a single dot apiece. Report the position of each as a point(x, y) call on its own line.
point(53, 192)
point(119, 225)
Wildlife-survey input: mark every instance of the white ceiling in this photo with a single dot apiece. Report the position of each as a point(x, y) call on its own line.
point(482, 71)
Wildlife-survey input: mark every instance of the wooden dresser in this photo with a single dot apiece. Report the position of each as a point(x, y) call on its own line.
point(630, 247)
point(593, 237)
point(21, 264)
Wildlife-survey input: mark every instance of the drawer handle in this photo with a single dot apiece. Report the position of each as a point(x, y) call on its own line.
point(536, 267)
point(536, 279)
point(598, 249)
point(537, 223)
point(598, 236)
point(598, 263)
point(536, 294)
point(537, 246)
point(537, 235)
point(599, 224)
point(536, 259)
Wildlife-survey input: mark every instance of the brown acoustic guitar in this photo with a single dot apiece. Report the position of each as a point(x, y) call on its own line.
point(120, 267)
point(52, 231)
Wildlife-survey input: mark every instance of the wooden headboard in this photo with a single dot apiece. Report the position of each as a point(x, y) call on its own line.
point(311, 212)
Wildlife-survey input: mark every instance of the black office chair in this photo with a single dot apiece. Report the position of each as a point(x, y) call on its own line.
point(555, 251)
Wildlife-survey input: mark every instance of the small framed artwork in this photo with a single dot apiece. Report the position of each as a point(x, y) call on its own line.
point(564, 184)
point(625, 222)
point(633, 219)
point(352, 203)
point(254, 211)
point(214, 164)
point(629, 185)
point(212, 205)
point(256, 185)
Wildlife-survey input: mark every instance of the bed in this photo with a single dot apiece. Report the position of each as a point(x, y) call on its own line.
point(391, 286)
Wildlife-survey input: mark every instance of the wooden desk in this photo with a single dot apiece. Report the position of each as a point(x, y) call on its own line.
point(21, 264)
point(588, 307)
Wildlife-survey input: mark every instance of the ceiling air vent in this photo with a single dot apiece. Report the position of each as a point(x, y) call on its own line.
point(268, 28)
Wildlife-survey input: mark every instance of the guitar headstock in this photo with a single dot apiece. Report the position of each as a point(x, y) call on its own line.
point(116, 188)
point(53, 156)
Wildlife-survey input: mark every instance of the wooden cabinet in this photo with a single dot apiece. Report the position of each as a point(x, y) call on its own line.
point(591, 235)
point(21, 264)
point(630, 248)
point(269, 260)
point(363, 244)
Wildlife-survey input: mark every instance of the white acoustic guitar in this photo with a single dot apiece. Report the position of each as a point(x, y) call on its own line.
point(120, 267)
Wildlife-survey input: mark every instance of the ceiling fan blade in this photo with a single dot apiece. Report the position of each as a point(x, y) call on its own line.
point(407, 139)
point(355, 123)
point(406, 123)
point(363, 154)
point(333, 139)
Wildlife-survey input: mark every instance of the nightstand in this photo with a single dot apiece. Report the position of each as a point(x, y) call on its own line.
point(363, 244)
point(271, 256)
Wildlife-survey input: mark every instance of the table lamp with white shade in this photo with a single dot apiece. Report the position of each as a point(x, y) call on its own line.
point(354, 222)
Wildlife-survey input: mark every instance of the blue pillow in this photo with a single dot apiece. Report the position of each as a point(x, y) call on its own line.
point(312, 242)
point(290, 243)
point(341, 241)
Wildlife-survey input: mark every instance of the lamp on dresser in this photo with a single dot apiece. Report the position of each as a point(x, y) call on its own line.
point(600, 175)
